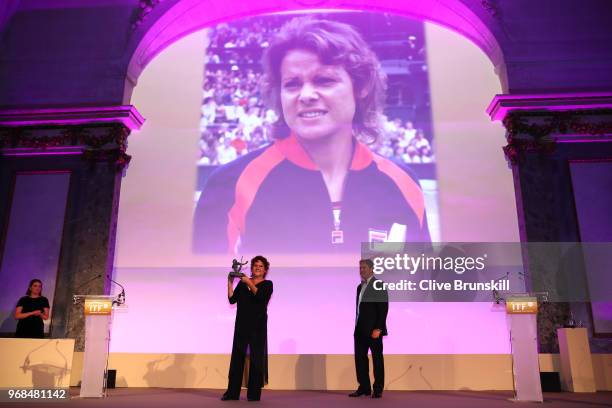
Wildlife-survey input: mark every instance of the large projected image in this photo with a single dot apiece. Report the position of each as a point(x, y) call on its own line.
point(301, 137)
point(314, 155)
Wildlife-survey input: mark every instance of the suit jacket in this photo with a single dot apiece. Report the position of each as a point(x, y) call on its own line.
point(373, 310)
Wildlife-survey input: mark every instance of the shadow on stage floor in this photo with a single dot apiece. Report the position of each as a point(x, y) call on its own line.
point(164, 397)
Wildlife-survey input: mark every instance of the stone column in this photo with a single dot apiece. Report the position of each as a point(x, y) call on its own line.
point(91, 144)
point(545, 133)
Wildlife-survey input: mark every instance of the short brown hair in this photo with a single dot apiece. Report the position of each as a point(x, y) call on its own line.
point(368, 262)
point(335, 44)
point(263, 260)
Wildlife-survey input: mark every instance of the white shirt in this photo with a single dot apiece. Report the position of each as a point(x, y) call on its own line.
point(364, 285)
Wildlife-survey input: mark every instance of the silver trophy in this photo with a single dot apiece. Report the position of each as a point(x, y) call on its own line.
point(236, 268)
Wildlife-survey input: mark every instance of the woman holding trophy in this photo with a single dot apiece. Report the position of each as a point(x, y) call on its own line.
point(251, 295)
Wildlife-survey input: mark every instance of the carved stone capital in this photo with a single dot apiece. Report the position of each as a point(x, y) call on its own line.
point(97, 134)
point(536, 123)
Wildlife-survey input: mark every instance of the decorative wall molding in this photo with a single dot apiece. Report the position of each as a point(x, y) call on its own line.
point(541, 131)
point(535, 123)
point(502, 105)
point(95, 143)
point(45, 137)
point(127, 115)
point(98, 134)
point(597, 122)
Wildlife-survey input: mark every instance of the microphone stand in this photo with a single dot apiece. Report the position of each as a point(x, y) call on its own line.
point(120, 299)
point(496, 296)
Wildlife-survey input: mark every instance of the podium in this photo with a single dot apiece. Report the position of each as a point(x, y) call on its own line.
point(576, 364)
point(521, 312)
point(98, 311)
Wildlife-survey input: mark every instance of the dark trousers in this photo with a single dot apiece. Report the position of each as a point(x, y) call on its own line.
point(256, 376)
point(362, 366)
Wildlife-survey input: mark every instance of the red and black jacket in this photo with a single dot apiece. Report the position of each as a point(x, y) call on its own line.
point(274, 200)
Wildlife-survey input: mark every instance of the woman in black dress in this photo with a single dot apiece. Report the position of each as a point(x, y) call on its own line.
point(31, 310)
point(251, 330)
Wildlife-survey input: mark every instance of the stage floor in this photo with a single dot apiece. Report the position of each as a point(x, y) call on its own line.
point(164, 397)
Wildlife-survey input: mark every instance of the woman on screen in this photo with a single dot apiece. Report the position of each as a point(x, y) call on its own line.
point(251, 330)
point(318, 188)
point(30, 312)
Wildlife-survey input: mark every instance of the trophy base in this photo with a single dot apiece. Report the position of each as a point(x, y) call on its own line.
point(236, 274)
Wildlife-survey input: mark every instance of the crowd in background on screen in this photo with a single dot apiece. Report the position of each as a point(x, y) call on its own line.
point(234, 119)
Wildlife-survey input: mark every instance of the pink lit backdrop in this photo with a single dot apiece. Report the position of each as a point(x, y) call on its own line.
point(176, 299)
point(186, 311)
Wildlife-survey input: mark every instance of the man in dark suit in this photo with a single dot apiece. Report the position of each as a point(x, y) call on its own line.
point(370, 327)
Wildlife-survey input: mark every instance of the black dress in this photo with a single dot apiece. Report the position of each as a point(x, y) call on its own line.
point(250, 330)
point(32, 326)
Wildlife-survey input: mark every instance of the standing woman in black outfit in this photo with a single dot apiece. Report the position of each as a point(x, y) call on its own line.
point(31, 310)
point(251, 330)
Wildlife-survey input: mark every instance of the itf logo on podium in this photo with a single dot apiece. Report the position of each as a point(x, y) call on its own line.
point(521, 306)
point(98, 306)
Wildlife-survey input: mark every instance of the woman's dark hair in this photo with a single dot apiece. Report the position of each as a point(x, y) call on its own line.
point(33, 281)
point(335, 44)
point(263, 260)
